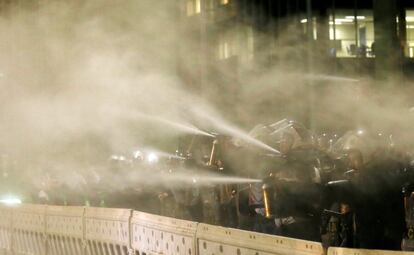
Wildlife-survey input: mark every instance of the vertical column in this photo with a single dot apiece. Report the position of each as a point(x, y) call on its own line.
point(271, 29)
point(323, 43)
point(402, 26)
point(388, 51)
point(309, 105)
point(323, 23)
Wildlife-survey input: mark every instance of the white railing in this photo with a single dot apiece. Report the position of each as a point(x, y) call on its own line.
point(5, 229)
point(152, 234)
point(107, 231)
point(220, 240)
point(57, 230)
point(64, 230)
point(28, 230)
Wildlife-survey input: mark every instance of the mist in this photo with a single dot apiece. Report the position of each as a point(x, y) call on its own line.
point(84, 80)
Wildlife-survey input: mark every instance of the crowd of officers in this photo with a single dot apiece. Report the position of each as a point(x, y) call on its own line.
point(353, 191)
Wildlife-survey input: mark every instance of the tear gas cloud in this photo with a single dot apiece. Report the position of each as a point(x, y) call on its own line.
point(82, 80)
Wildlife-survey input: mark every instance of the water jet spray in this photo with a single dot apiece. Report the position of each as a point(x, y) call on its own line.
point(184, 127)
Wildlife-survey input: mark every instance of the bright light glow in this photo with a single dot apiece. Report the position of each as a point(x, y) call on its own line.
point(360, 132)
point(224, 50)
point(194, 180)
point(352, 17)
point(152, 158)
point(304, 21)
point(331, 34)
point(409, 18)
point(197, 6)
point(117, 157)
point(137, 154)
point(343, 20)
point(410, 26)
point(10, 201)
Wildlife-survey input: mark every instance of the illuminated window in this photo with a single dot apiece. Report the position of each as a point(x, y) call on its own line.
point(190, 8)
point(228, 43)
point(365, 24)
point(224, 50)
point(197, 6)
point(410, 33)
point(314, 27)
point(351, 36)
point(193, 7)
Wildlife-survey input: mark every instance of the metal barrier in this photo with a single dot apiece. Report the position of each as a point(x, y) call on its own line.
point(152, 234)
point(220, 240)
point(107, 231)
point(346, 251)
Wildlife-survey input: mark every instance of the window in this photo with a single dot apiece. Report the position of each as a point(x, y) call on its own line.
point(193, 7)
point(365, 35)
point(190, 8)
point(304, 22)
point(228, 43)
point(197, 6)
point(410, 32)
point(224, 49)
point(351, 35)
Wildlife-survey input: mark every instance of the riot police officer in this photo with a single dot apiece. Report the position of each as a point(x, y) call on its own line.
point(296, 194)
point(374, 179)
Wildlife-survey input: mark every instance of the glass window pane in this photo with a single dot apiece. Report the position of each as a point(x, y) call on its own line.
point(228, 43)
point(304, 22)
point(351, 37)
point(365, 24)
point(193, 7)
point(410, 32)
point(190, 8)
point(197, 5)
point(343, 32)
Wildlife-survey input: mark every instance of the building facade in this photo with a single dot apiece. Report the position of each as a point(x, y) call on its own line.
point(237, 42)
point(356, 35)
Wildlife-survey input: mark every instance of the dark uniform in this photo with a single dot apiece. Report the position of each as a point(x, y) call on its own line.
point(408, 241)
point(298, 196)
point(373, 194)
